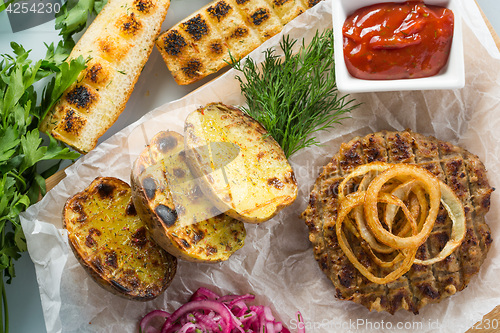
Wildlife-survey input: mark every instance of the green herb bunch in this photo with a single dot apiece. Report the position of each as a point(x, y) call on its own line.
point(74, 16)
point(22, 148)
point(28, 157)
point(6, 4)
point(294, 95)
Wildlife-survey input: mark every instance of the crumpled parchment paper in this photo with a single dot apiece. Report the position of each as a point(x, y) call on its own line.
point(277, 261)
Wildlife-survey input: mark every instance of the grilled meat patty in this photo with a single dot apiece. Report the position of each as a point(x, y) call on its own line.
point(457, 167)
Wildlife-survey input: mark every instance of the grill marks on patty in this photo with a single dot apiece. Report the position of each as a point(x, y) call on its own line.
point(422, 284)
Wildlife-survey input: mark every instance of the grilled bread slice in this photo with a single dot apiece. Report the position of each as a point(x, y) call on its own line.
point(256, 184)
point(111, 242)
point(200, 44)
point(170, 201)
point(118, 43)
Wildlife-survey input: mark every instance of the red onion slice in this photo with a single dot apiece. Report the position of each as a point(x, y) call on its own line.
point(208, 312)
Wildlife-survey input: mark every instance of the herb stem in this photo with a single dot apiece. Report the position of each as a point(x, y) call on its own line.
point(4, 313)
point(5, 326)
point(294, 95)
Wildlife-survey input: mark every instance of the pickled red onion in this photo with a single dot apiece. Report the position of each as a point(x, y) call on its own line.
point(208, 312)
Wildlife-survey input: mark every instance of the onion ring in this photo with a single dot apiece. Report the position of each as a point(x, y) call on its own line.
point(429, 181)
point(456, 212)
point(347, 204)
point(411, 197)
point(359, 171)
point(366, 234)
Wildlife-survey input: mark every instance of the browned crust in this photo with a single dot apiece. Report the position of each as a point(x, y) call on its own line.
point(189, 65)
point(120, 107)
point(127, 285)
point(460, 169)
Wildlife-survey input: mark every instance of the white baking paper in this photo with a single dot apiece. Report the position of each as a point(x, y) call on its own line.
point(277, 262)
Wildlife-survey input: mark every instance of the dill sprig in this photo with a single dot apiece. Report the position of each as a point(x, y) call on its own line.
point(294, 95)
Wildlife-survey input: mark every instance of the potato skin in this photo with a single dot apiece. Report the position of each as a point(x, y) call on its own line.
point(255, 185)
point(170, 202)
point(112, 244)
point(155, 226)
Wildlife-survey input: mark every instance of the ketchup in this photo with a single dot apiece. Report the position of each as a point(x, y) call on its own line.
point(397, 40)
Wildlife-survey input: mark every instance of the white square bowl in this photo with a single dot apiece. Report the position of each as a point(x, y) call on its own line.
point(451, 76)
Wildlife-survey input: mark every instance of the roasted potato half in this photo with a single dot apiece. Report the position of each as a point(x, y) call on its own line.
point(256, 184)
point(168, 198)
point(112, 243)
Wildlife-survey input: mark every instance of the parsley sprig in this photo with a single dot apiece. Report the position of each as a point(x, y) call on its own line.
point(294, 95)
point(27, 158)
point(75, 14)
point(22, 148)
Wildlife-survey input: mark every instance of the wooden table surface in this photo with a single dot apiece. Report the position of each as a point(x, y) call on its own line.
point(490, 322)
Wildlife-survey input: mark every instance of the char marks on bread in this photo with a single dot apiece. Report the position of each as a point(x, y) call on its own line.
point(200, 44)
point(117, 45)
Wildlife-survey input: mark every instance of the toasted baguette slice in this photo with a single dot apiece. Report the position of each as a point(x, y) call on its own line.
point(112, 243)
point(169, 200)
point(200, 44)
point(255, 185)
point(118, 43)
